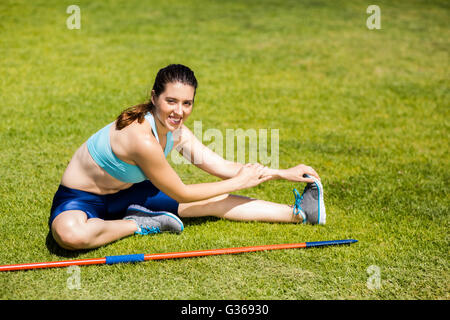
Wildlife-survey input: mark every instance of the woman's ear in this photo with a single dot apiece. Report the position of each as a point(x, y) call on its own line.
point(153, 97)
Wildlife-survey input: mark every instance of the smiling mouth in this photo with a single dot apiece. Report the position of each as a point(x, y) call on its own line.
point(175, 120)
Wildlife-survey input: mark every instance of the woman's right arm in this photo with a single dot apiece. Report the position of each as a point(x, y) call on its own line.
point(149, 156)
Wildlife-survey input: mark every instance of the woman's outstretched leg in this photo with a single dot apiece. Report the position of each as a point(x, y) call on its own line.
point(238, 208)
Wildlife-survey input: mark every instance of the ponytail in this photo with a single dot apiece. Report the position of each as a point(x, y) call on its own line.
point(132, 114)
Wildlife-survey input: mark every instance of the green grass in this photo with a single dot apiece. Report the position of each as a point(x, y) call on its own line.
point(367, 109)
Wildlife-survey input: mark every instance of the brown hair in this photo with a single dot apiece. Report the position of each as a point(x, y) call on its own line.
point(171, 73)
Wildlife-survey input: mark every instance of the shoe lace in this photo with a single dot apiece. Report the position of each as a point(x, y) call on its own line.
point(297, 205)
point(298, 200)
point(148, 230)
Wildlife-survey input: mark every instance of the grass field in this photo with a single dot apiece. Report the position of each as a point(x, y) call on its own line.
point(368, 109)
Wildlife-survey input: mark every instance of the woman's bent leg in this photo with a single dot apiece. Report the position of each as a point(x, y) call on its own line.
point(73, 230)
point(239, 208)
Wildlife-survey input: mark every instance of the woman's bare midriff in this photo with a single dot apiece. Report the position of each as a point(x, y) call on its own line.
point(83, 173)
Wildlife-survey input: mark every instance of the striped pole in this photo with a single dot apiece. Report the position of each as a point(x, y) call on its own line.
point(171, 255)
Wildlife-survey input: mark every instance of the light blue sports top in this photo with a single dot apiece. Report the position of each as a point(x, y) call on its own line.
point(99, 147)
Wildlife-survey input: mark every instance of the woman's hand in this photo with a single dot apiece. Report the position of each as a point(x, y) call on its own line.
point(296, 173)
point(250, 175)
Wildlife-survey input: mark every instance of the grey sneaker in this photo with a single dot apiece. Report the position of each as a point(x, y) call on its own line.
point(310, 204)
point(153, 221)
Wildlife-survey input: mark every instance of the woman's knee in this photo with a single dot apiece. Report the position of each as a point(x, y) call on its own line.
point(71, 239)
point(69, 233)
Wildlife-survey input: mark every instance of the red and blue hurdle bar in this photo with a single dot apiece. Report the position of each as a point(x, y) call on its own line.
point(171, 255)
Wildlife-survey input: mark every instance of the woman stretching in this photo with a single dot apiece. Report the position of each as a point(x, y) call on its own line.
point(119, 183)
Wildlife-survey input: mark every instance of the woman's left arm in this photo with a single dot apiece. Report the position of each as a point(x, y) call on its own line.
point(204, 158)
point(293, 174)
point(187, 144)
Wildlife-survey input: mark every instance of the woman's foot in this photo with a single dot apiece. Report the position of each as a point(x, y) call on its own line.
point(310, 205)
point(149, 222)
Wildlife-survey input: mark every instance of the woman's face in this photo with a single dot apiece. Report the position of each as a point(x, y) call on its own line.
point(174, 105)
